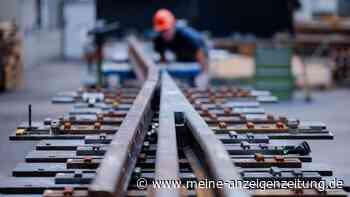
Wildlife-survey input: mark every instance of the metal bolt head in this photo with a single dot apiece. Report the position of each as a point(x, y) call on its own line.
point(47, 121)
point(222, 125)
point(279, 125)
point(97, 125)
point(20, 131)
point(67, 125)
point(232, 134)
point(87, 159)
point(68, 191)
point(103, 136)
point(243, 93)
point(259, 157)
point(142, 157)
point(115, 104)
point(250, 125)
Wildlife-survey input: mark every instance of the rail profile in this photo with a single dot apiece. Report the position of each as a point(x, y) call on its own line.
point(117, 166)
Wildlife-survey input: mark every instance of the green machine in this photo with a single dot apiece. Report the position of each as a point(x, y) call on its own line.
point(273, 71)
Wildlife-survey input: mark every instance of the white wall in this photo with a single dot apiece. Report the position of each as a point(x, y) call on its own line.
point(9, 10)
point(309, 6)
point(41, 47)
point(27, 15)
point(38, 45)
point(79, 18)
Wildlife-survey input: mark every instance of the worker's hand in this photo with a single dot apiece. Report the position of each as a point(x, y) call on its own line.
point(202, 80)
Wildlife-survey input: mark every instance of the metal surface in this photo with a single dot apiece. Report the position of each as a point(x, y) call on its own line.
point(218, 160)
point(167, 167)
point(140, 61)
point(116, 167)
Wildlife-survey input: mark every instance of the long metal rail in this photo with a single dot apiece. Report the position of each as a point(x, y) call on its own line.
point(167, 161)
point(117, 166)
point(120, 159)
point(216, 158)
point(141, 63)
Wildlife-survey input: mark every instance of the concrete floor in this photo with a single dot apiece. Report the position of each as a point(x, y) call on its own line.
point(40, 84)
point(43, 82)
point(333, 108)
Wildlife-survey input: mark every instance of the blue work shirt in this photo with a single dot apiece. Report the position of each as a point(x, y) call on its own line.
point(185, 44)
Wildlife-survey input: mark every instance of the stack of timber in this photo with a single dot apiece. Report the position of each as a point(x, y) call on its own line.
point(11, 58)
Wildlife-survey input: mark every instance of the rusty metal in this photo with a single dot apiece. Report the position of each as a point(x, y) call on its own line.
point(120, 159)
point(141, 63)
point(218, 161)
point(167, 167)
point(199, 172)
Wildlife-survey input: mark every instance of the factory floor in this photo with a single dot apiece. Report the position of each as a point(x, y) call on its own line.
point(332, 108)
point(41, 82)
point(44, 81)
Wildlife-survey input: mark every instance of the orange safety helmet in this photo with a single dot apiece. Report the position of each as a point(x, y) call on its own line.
point(163, 20)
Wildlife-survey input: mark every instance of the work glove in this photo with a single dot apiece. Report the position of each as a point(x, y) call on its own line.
point(202, 80)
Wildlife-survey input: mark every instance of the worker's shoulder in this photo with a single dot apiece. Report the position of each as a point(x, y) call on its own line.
point(157, 39)
point(188, 32)
point(156, 36)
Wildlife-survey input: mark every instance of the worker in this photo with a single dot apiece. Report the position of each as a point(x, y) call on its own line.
point(186, 43)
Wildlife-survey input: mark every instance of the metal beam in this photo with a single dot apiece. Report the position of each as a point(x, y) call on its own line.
point(142, 64)
point(116, 168)
point(216, 157)
point(167, 161)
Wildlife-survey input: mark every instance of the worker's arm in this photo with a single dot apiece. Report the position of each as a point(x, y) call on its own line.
point(202, 80)
point(162, 57)
point(159, 48)
point(202, 59)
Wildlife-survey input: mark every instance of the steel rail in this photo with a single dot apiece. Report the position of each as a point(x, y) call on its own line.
point(167, 161)
point(116, 167)
point(215, 156)
point(120, 159)
point(142, 64)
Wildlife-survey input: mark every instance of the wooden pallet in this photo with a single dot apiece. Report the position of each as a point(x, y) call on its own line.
point(11, 57)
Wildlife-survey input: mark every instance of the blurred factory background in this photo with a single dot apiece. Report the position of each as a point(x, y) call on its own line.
point(317, 31)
